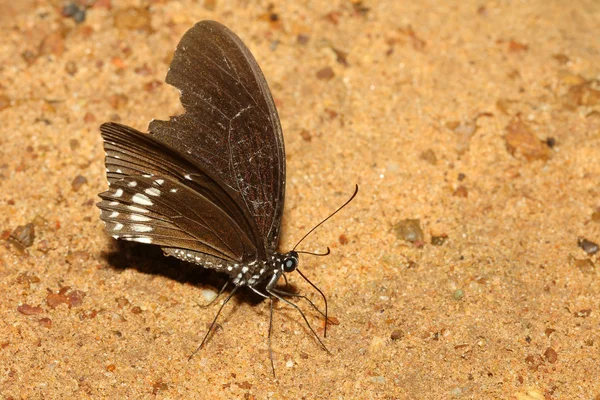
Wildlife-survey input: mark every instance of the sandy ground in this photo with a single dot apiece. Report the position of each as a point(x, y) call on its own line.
point(480, 120)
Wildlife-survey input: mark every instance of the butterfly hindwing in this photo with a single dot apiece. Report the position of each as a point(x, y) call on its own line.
point(159, 211)
point(156, 197)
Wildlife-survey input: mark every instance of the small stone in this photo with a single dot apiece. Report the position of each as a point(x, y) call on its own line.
point(27, 279)
point(70, 9)
point(46, 322)
point(458, 294)
point(75, 298)
point(122, 302)
point(561, 58)
point(522, 142)
point(343, 239)
point(77, 257)
point(549, 331)
point(583, 313)
point(29, 56)
point(289, 364)
point(74, 144)
point(582, 94)
point(461, 191)
point(534, 361)
point(302, 39)
point(136, 310)
point(208, 294)
point(429, 156)
point(439, 239)
point(151, 86)
point(78, 182)
point(24, 235)
point(517, 47)
point(79, 16)
point(409, 230)
point(159, 387)
point(588, 246)
point(89, 118)
point(72, 298)
point(550, 355)
point(26, 309)
point(550, 142)
point(55, 299)
point(305, 135)
point(341, 56)
point(397, 334)
point(325, 74)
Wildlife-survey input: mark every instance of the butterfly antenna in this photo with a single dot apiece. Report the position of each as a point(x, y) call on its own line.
point(326, 219)
point(315, 254)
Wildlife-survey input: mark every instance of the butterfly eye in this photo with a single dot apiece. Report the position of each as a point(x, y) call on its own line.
point(290, 264)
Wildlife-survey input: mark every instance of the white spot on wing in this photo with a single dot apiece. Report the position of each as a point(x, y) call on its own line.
point(141, 240)
point(118, 193)
point(141, 228)
point(118, 227)
point(173, 190)
point(188, 177)
point(132, 184)
point(152, 191)
point(114, 214)
point(137, 209)
point(159, 181)
point(139, 218)
point(141, 199)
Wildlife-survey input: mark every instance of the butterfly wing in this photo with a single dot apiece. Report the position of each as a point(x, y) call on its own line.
point(158, 196)
point(230, 129)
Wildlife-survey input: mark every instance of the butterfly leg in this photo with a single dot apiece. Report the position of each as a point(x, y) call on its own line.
point(290, 294)
point(270, 327)
point(273, 293)
point(214, 321)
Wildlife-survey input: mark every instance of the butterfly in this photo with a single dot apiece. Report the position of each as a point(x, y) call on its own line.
point(207, 186)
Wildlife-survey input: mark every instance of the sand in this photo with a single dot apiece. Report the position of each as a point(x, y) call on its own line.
point(479, 120)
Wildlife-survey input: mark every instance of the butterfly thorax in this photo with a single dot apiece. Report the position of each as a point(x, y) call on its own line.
point(259, 272)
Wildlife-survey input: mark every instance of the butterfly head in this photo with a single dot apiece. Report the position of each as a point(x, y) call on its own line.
point(289, 262)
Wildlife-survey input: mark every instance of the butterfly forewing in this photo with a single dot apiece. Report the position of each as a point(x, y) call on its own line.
point(230, 129)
